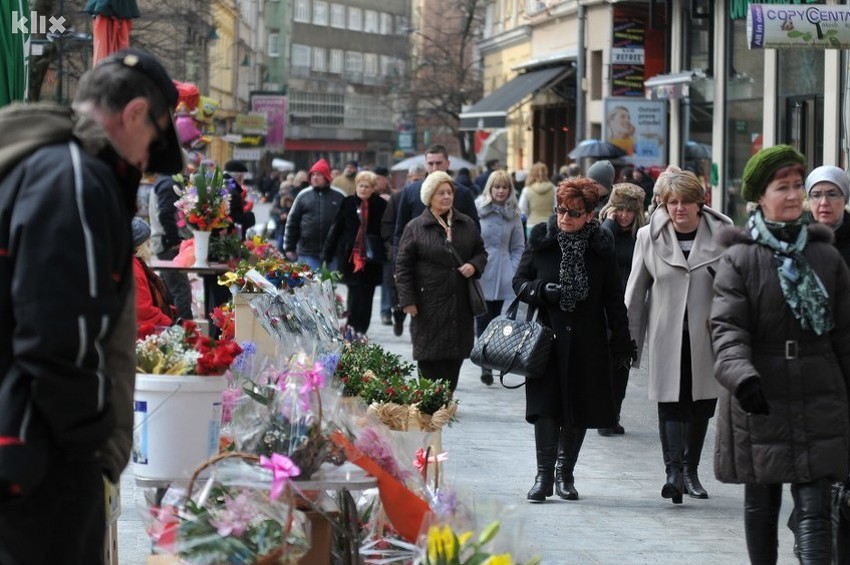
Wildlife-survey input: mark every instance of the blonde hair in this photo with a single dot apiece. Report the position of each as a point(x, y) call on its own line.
point(539, 173)
point(684, 184)
point(487, 194)
point(368, 176)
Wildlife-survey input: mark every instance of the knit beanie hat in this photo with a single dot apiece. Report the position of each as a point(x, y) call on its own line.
point(830, 174)
point(602, 172)
point(761, 167)
point(141, 231)
point(430, 184)
point(627, 195)
point(321, 167)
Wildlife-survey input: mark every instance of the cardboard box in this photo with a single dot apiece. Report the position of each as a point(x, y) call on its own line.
point(249, 328)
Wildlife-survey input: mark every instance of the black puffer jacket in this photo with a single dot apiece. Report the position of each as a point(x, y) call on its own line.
point(576, 388)
point(427, 276)
point(309, 220)
point(807, 433)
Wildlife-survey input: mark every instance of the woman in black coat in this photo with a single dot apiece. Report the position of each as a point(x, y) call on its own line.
point(354, 239)
point(438, 252)
point(569, 270)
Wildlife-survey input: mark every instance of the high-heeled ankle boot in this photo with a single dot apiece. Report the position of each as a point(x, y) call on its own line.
point(569, 444)
point(694, 439)
point(546, 442)
point(672, 446)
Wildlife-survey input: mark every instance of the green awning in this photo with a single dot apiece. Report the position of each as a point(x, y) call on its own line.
point(14, 39)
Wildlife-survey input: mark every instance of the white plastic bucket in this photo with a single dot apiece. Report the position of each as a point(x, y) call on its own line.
point(176, 424)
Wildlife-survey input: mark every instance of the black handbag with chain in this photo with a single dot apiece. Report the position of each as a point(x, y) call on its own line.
point(514, 346)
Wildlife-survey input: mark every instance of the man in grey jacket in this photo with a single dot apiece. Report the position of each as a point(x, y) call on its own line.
point(68, 181)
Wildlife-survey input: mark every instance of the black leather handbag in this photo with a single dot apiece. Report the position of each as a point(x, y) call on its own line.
point(509, 345)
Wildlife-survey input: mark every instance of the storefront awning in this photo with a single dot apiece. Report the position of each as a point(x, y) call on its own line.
point(670, 86)
point(491, 111)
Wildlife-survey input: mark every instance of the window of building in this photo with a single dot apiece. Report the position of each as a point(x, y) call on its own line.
point(401, 27)
point(370, 21)
point(302, 11)
point(386, 23)
point(320, 63)
point(353, 62)
point(274, 43)
point(338, 16)
point(355, 19)
point(300, 55)
point(336, 60)
point(370, 64)
point(320, 13)
point(596, 75)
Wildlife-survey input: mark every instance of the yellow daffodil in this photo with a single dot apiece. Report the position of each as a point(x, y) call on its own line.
point(463, 538)
point(503, 559)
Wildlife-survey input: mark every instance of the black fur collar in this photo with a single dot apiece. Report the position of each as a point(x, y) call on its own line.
point(546, 235)
point(732, 236)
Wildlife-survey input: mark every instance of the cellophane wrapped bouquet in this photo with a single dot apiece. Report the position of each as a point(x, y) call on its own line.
point(244, 514)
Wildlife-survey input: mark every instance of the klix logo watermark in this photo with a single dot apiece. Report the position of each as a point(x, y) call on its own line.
point(37, 24)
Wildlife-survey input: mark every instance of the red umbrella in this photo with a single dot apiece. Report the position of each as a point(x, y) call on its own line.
point(112, 25)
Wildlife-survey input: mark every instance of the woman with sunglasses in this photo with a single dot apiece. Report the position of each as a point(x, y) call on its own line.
point(569, 272)
point(668, 296)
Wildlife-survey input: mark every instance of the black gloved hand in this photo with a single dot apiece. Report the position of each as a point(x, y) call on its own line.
point(751, 396)
point(625, 356)
point(552, 293)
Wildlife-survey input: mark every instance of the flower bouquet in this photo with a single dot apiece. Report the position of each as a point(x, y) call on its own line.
point(204, 202)
point(444, 546)
point(244, 514)
point(182, 350)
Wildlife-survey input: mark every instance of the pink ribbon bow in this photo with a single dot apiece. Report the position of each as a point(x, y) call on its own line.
point(420, 460)
point(282, 469)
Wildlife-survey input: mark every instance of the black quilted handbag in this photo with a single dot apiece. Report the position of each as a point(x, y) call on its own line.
point(514, 346)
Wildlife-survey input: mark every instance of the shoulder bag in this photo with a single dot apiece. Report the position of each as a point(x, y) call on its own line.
point(514, 346)
point(476, 294)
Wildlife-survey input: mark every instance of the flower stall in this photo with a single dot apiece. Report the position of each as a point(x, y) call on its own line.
point(204, 204)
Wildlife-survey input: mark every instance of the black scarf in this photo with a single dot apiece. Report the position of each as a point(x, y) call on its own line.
point(573, 273)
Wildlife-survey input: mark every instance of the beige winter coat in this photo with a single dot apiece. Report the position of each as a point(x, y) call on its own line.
point(538, 202)
point(661, 285)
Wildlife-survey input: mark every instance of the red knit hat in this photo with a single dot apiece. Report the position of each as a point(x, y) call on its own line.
point(322, 168)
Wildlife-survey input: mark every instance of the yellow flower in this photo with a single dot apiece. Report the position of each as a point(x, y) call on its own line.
point(448, 540)
point(503, 559)
point(463, 538)
point(433, 540)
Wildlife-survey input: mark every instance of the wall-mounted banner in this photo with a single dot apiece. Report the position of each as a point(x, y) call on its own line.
point(774, 26)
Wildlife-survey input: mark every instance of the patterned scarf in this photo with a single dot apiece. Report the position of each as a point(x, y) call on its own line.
point(445, 224)
point(573, 273)
point(802, 288)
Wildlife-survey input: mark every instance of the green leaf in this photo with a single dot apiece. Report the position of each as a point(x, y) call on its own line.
point(535, 560)
point(489, 532)
point(807, 36)
point(794, 33)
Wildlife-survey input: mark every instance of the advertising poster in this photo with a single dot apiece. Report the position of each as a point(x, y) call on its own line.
point(627, 55)
point(274, 107)
point(638, 127)
point(778, 26)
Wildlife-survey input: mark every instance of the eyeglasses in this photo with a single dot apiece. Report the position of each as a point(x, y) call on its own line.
point(158, 143)
point(570, 212)
point(831, 195)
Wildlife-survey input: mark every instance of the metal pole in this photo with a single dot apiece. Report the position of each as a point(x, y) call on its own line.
point(580, 72)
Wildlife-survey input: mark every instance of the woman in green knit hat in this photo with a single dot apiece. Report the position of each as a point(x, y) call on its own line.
point(780, 325)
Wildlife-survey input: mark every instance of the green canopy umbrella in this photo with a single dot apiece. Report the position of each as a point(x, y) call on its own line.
point(14, 44)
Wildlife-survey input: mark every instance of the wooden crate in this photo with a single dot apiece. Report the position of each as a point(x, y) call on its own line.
point(248, 327)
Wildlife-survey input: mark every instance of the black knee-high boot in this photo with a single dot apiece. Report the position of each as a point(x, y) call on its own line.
point(694, 440)
point(812, 503)
point(761, 518)
point(546, 443)
point(672, 446)
point(569, 444)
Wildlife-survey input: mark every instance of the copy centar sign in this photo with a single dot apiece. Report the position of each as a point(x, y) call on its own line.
point(789, 25)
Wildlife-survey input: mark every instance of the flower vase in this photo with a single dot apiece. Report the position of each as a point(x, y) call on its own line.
point(202, 248)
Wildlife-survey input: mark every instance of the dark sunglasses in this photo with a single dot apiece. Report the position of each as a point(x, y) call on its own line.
point(570, 212)
point(159, 143)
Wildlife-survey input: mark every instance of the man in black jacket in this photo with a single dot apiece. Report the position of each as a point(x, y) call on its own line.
point(165, 242)
point(68, 181)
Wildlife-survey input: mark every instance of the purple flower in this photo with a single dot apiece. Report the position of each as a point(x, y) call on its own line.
point(237, 515)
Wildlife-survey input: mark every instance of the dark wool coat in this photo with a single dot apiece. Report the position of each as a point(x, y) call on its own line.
point(427, 276)
point(339, 242)
point(842, 238)
point(577, 387)
point(806, 435)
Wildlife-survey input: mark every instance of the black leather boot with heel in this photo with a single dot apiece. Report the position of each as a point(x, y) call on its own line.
point(569, 444)
point(694, 440)
point(672, 446)
point(546, 443)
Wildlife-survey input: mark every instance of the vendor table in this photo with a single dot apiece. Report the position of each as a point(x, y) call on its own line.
point(209, 276)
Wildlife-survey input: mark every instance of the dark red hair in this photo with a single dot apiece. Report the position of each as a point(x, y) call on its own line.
point(574, 189)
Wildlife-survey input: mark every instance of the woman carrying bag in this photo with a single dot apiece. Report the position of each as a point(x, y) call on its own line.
point(569, 271)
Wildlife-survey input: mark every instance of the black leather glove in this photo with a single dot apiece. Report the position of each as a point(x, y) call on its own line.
point(625, 356)
point(751, 396)
point(552, 293)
